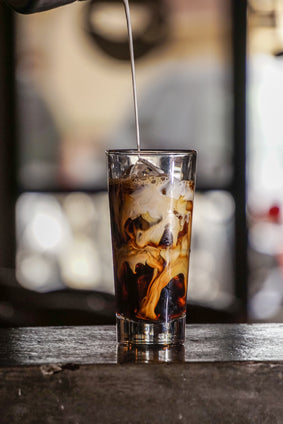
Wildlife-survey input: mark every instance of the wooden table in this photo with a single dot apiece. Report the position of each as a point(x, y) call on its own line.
point(78, 375)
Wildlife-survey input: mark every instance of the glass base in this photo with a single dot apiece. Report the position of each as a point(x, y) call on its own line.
point(150, 354)
point(144, 333)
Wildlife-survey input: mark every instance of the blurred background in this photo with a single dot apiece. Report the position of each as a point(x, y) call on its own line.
point(209, 77)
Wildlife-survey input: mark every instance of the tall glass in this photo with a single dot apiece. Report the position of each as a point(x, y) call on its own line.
point(151, 206)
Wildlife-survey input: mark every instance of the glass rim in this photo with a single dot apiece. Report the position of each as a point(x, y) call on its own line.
point(152, 152)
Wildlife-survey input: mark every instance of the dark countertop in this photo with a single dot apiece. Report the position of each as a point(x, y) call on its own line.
point(97, 344)
point(225, 373)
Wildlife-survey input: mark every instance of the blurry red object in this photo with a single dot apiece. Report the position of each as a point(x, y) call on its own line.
point(274, 213)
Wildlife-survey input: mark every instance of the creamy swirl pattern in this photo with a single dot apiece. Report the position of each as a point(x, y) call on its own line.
point(151, 226)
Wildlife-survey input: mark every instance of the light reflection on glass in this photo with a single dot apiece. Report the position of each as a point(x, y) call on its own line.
point(150, 354)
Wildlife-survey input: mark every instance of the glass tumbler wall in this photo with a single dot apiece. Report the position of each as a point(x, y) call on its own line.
point(151, 206)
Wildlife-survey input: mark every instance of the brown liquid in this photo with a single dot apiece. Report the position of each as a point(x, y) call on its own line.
point(151, 227)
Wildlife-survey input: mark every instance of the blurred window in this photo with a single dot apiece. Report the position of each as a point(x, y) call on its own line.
point(75, 101)
point(265, 159)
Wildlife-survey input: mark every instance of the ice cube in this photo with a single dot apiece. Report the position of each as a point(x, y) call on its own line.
point(176, 189)
point(144, 168)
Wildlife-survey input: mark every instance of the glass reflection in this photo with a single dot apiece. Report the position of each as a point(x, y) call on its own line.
point(146, 354)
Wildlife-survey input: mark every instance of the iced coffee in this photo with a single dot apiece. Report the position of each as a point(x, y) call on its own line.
point(151, 218)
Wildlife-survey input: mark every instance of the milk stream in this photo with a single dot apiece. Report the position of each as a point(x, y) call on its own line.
point(131, 47)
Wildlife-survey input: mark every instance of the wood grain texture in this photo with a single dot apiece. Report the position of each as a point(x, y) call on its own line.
point(97, 345)
point(230, 374)
point(192, 393)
